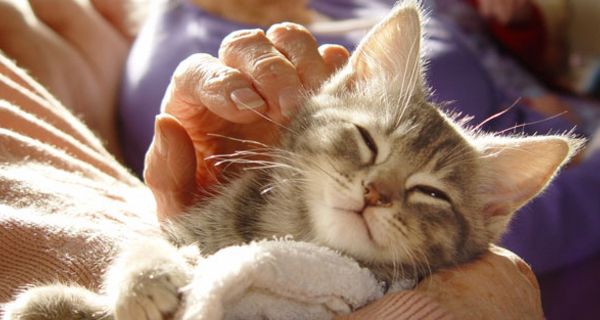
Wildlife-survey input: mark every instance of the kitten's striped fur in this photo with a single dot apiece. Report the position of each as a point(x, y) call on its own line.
point(325, 163)
point(368, 167)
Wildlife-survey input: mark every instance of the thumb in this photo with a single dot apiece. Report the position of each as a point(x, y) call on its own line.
point(170, 167)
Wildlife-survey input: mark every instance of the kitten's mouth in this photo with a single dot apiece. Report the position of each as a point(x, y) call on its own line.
point(360, 214)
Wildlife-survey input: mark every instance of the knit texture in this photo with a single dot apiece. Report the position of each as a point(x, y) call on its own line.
point(65, 203)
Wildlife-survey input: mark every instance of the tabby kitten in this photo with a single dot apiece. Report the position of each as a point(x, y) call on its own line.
point(368, 167)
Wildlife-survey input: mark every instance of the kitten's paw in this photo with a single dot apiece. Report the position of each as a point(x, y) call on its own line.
point(145, 281)
point(57, 302)
point(152, 295)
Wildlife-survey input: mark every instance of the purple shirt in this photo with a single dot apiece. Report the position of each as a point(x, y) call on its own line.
point(558, 230)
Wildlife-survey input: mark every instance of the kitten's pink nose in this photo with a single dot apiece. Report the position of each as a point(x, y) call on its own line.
point(375, 197)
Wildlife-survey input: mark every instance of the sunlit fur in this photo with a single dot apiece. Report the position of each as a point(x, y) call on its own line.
point(321, 173)
point(313, 186)
point(448, 192)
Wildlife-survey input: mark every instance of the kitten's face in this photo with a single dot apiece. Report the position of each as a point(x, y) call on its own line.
point(389, 179)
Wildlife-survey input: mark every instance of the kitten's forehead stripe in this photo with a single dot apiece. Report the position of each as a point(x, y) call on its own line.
point(456, 177)
point(445, 151)
point(428, 134)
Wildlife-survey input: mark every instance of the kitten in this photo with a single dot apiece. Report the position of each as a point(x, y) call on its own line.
point(368, 167)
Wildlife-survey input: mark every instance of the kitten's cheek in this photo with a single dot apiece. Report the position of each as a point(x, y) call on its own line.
point(349, 229)
point(376, 230)
point(343, 230)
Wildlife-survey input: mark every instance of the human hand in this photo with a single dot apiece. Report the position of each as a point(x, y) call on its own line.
point(248, 93)
point(498, 285)
point(76, 49)
point(505, 11)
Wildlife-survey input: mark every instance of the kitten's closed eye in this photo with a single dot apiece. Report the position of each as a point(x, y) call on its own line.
point(430, 192)
point(427, 187)
point(369, 142)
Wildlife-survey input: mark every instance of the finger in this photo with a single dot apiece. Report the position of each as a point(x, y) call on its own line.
point(334, 56)
point(170, 167)
point(75, 21)
point(273, 75)
point(202, 81)
point(300, 47)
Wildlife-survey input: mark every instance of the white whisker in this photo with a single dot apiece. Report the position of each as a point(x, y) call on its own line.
point(272, 121)
point(237, 139)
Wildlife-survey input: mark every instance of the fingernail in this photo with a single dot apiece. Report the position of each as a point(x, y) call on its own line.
point(289, 101)
point(160, 139)
point(246, 98)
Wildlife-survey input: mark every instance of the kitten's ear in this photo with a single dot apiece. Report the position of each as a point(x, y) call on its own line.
point(517, 169)
point(390, 53)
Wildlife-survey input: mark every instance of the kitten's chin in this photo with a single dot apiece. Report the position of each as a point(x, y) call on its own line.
point(349, 232)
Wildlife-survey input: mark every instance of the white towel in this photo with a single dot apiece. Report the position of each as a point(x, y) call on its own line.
point(279, 279)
